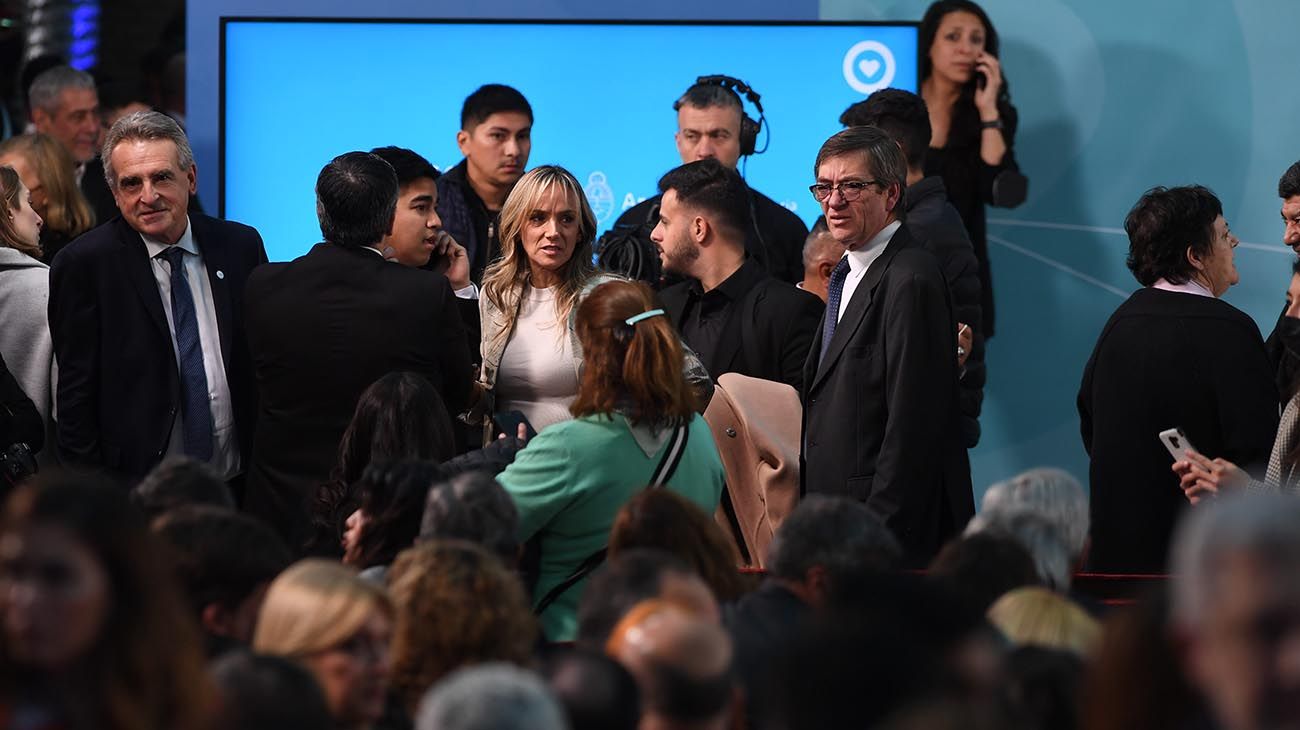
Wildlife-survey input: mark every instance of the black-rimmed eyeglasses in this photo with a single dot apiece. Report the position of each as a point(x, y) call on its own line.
point(849, 191)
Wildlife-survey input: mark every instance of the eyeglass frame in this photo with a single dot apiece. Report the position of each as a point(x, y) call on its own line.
point(831, 189)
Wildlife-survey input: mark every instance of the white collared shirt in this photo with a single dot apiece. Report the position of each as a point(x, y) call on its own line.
point(860, 260)
point(225, 444)
point(1191, 287)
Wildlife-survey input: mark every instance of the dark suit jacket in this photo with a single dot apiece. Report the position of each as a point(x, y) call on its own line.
point(322, 328)
point(881, 420)
point(768, 332)
point(935, 224)
point(1167, 360)
point(119, 389)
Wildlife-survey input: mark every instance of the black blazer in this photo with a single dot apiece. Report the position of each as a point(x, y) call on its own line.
point(1167, 360)
point(322, 328)
point(119, 389)
point(935, 224)
point(881, 418)
point(769, 330)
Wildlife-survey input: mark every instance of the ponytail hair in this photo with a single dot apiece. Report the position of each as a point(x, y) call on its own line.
point(633, 368)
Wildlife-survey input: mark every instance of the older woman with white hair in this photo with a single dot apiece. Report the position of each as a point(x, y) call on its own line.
point(1051, 493)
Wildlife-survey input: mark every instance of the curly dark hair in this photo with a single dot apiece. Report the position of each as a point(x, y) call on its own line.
point(399, 417)
point(663, 519)
point(392, 497)
point(457, 605)
point(1289, 185)
point(1163, 224)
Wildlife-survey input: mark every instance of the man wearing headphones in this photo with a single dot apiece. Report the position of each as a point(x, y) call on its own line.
point(711, 123)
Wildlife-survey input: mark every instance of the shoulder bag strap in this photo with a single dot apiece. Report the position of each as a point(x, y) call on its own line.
point(663, 472)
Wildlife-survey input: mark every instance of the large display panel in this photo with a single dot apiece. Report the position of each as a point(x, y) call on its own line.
point(295, 93)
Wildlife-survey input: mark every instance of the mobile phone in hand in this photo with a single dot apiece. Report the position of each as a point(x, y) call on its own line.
point(507, 422)
point(1177, 444)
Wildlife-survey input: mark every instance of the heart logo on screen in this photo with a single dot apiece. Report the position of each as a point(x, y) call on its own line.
point(869, 66)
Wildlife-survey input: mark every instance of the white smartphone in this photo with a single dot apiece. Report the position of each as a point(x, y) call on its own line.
point(1176, 442)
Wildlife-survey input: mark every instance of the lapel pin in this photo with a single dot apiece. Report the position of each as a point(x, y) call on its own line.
point(221, 274)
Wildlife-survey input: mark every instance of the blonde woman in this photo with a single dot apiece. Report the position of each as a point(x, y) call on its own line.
point(47, 170)
point(1036, 616)
point(531, 356)
point(340, 628)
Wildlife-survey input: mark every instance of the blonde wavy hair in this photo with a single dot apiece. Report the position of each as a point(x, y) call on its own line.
point(505, 278)
point(313, 606)
point(66, 209)
point(1036, 616)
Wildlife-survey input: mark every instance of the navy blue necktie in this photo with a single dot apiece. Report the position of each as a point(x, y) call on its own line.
point(196, 411)
point(838, 275)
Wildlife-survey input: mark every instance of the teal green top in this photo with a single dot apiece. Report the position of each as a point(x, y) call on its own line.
point(571, 480)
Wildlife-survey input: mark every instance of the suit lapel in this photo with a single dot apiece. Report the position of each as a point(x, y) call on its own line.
point(139, 271)
point(217, 263)
point(857, 307)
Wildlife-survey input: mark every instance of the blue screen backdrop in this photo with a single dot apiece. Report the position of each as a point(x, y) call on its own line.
point(299, 93)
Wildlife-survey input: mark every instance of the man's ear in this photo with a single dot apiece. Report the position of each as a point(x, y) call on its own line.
point(892, 196)
point(700, 229)
point(1195, 259)
point(40, 120)
point(818, 584)
point(462, 140)
point(825, 268)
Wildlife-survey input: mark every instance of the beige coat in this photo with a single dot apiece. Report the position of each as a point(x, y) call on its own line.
point(755, 424)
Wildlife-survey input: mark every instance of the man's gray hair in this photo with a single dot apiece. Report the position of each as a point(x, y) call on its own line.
point(492, 696)
point(1050, 493)
point(1041, 538)
point(1264, 526)
point(884, 158)
point(473, 507)
point(839, 535)
point(48, 86)
point(146, 126)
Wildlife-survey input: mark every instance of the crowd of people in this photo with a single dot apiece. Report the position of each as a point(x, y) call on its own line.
point(453, 469)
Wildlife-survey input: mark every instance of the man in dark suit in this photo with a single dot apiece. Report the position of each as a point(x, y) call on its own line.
point(881, 417)
point(146, 313)
point(326, 325)
point(735, 315)
point(938, 227)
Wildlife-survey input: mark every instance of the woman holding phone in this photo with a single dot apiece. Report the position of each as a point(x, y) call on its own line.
point(972, 122)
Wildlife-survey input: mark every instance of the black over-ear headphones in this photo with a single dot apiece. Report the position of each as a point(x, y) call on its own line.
point(749, 128)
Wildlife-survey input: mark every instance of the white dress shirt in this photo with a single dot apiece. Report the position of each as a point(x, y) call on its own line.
point(225, 444)
point(860, 260)
point(1191, 287)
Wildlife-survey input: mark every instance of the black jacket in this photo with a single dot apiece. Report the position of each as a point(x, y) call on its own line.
point(1167, 360)
point(20, 422)
point(972, 184)
point(881, 419)
point(768, 332)
point(119, 390)
point(468, 220)
point(775, 238)
point(322, 328)
point(935, 224)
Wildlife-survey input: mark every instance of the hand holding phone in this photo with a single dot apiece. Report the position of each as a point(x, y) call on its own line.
point(1176, 443)
point(508, 423)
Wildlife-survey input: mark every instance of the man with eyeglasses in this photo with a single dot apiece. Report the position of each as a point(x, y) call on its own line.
point(881, 418)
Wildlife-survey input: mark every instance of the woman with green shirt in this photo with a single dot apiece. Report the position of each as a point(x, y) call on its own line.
point(634, 416)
